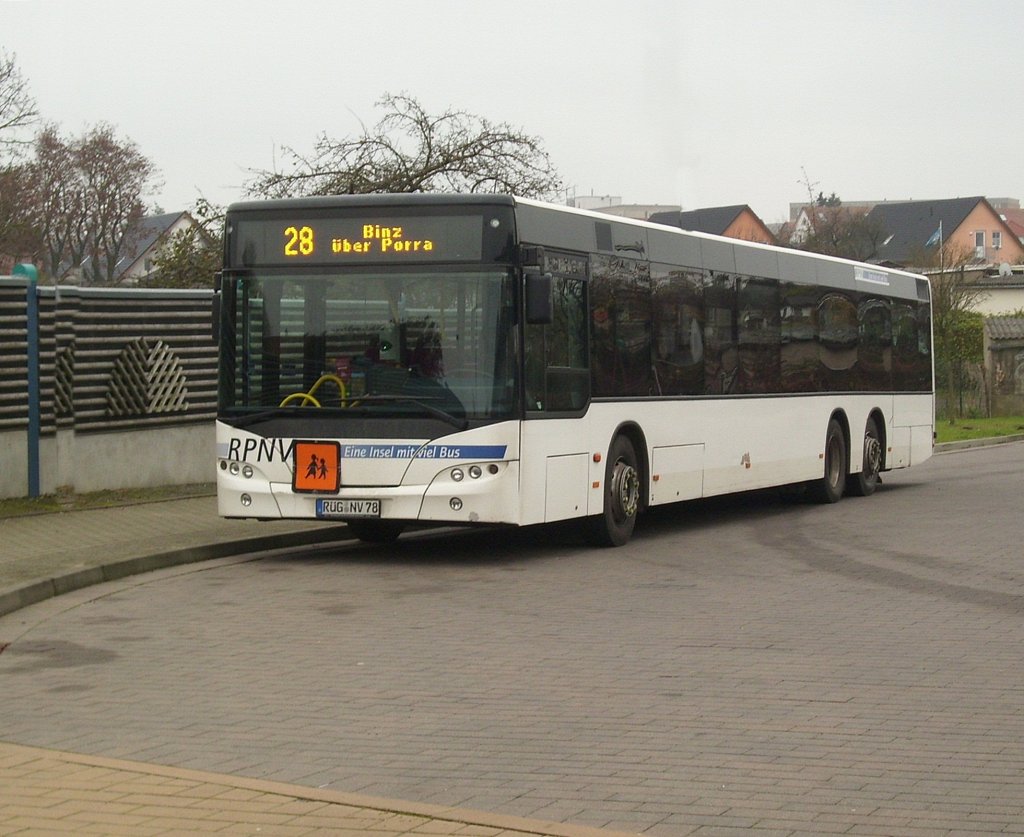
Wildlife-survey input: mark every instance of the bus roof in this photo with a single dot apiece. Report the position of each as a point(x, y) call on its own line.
point(393, 199)
point(584, 230)
point(589, 231)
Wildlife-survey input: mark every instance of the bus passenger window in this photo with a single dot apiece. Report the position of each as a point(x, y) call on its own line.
point(759, 335)
point(720, 351)
point(620, 304)
point(557, 375)
point(678, 322)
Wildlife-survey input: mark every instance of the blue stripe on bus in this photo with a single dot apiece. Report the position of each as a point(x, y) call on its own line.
point(368, 451)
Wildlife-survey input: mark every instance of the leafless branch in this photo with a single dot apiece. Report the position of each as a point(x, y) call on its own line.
point(410, 150)
point(17, 107)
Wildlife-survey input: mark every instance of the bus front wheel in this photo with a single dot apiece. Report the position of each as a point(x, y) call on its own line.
point(829, 487)
point(614, 525)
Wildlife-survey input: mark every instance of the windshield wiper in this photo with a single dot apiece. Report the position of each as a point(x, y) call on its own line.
point(312, 412)
point(273, 412)
point(420, 402)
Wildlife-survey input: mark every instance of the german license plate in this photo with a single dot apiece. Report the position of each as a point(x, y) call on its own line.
point(337, 508)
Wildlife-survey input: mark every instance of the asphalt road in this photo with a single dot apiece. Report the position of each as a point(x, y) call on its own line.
point(748, 663)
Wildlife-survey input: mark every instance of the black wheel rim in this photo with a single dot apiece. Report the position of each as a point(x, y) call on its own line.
point(625, 490)
point(872, 456)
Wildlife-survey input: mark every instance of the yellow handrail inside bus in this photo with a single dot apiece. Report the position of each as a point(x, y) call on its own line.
point(307, 397)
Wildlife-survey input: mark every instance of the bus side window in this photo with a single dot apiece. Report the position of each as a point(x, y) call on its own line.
point(759, 335)
point(678, 330)
point(621, 327)
point(721, 358)
point(557, 375)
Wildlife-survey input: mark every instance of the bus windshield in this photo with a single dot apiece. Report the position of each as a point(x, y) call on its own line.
point(433, 341)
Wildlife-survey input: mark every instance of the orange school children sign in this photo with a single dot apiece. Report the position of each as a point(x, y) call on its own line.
point(317, 467)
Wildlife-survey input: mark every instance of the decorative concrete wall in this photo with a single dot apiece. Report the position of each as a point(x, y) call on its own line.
point(128, 384)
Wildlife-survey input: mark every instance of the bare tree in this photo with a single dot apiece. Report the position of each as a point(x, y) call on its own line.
point(955, 322)
point(840, 231)
point(17, 112)
point(60, 212)
point(17, 107)
point(19, 239)
point(114, 175)
point(410, 150)
point(837, 230)
point(88, 200)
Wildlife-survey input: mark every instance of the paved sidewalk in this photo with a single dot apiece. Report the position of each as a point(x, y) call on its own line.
point(44, 791)
point(44, 555)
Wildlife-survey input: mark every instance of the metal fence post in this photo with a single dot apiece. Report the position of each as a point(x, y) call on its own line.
point(32, 338)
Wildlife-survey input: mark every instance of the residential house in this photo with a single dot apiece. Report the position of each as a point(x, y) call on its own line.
point(804, 218)
point(1014, 217)
point(156, 231)
point(732, 221)
point(1004, 290)
point(970, 227)
point(140, 249)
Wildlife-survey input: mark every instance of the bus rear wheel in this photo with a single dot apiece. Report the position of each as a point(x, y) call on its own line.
point(614, 526)
point(865, 481)
point(375, 531)
point(829, 487)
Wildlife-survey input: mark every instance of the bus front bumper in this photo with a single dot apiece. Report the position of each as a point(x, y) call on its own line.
point(487, 498)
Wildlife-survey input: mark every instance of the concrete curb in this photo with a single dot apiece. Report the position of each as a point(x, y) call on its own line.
point(15, 598)
point(967, 444)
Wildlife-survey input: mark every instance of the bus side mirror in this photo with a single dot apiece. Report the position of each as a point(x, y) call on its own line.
point(540, 309)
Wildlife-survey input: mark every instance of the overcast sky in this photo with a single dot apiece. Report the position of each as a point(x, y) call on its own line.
point(689, 102)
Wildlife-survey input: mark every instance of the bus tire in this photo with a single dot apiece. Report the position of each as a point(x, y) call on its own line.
point(829, 487)
point(375, 531)
point(614, 526)
point(866, 480)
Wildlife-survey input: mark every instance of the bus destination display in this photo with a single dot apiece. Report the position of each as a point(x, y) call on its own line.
point(332, 240)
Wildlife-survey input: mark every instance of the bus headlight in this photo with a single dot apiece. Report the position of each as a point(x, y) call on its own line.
point(455, 503)
point(457, 475)
point(475, 472)
point(234, 468)
point(247, 471)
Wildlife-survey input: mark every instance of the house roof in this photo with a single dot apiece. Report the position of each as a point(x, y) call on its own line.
point(913, 226)
point(1014, 220)
point(1012, 280)
point(1005, 328)
point(713, 219)
point(151, 229)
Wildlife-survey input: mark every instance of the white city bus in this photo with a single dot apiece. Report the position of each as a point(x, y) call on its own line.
point(483, 359)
